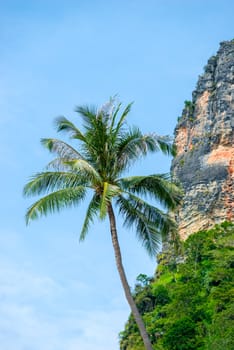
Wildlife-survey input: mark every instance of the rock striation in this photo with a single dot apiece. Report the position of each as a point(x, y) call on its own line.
point(204, 137)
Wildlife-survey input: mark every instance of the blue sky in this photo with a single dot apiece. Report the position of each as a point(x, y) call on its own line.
point(55, 293)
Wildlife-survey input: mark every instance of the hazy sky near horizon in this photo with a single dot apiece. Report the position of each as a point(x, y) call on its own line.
point(55, 293)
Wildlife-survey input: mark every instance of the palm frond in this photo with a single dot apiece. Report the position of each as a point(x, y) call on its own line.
point(149, 236)
point(165, 144)
point(122, 118)
point(133, 145)
point(157, 186)
point(146, 231)
point(88, 114)
point(84, 168)
point(105, 112)
point(58, 164)
point(114, 116)
point(109, 191)
point(63, 149)
point(163, 221)
point(52, 180)
point(92, 211)
point(128, 147)
point(148, 222)
point(56, 201)
point(65, 125)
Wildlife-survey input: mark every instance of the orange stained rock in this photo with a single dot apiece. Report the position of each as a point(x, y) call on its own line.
point(201, 104)
point(181, 140)
point(222, 155)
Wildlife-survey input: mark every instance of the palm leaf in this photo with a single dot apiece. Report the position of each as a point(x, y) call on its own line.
point(153, 214)
point(151, 223)
point(134, 145)
point(84, 168)
point(88, 114)
point(165, 145)
point(145, 219)
point(61, 148)
point(63, 124)
point(128, 148)
point(149, 236)
point(109, 191)
point(55, 202)
point(114, 116)
point(105, 113)
point(51, 180)
point(157, 186)
point(122, 118)
point(93, 208)
point(59, 164)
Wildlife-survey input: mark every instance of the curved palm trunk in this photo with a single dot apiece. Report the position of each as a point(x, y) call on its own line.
point(124, 281)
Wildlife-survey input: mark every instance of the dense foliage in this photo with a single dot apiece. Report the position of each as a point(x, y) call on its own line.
point(189, 305)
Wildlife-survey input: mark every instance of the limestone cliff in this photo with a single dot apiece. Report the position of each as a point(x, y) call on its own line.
point(204, 137)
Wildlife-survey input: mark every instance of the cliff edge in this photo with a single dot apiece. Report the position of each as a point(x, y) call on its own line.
point(204, 137)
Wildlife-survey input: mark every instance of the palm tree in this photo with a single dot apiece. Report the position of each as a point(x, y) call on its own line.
point(107, 147)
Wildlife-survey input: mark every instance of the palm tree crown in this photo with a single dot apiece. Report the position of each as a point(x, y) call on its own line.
point(107, 148)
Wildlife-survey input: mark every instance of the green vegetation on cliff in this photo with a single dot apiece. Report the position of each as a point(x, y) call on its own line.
point(190, 304)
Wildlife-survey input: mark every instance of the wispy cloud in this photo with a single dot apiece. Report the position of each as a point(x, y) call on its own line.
point(21, 327)
point(36, 313)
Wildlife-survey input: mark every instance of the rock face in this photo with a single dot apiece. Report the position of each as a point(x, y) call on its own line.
point(204, 137)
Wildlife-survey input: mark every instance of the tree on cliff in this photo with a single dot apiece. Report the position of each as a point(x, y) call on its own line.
point(107, 147)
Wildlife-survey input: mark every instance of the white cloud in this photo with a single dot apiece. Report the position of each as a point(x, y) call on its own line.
point(20, 283)
point(22, 327)
point(35, 314)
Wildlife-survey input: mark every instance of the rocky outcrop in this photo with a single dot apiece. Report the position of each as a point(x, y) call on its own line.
point(204, 137)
